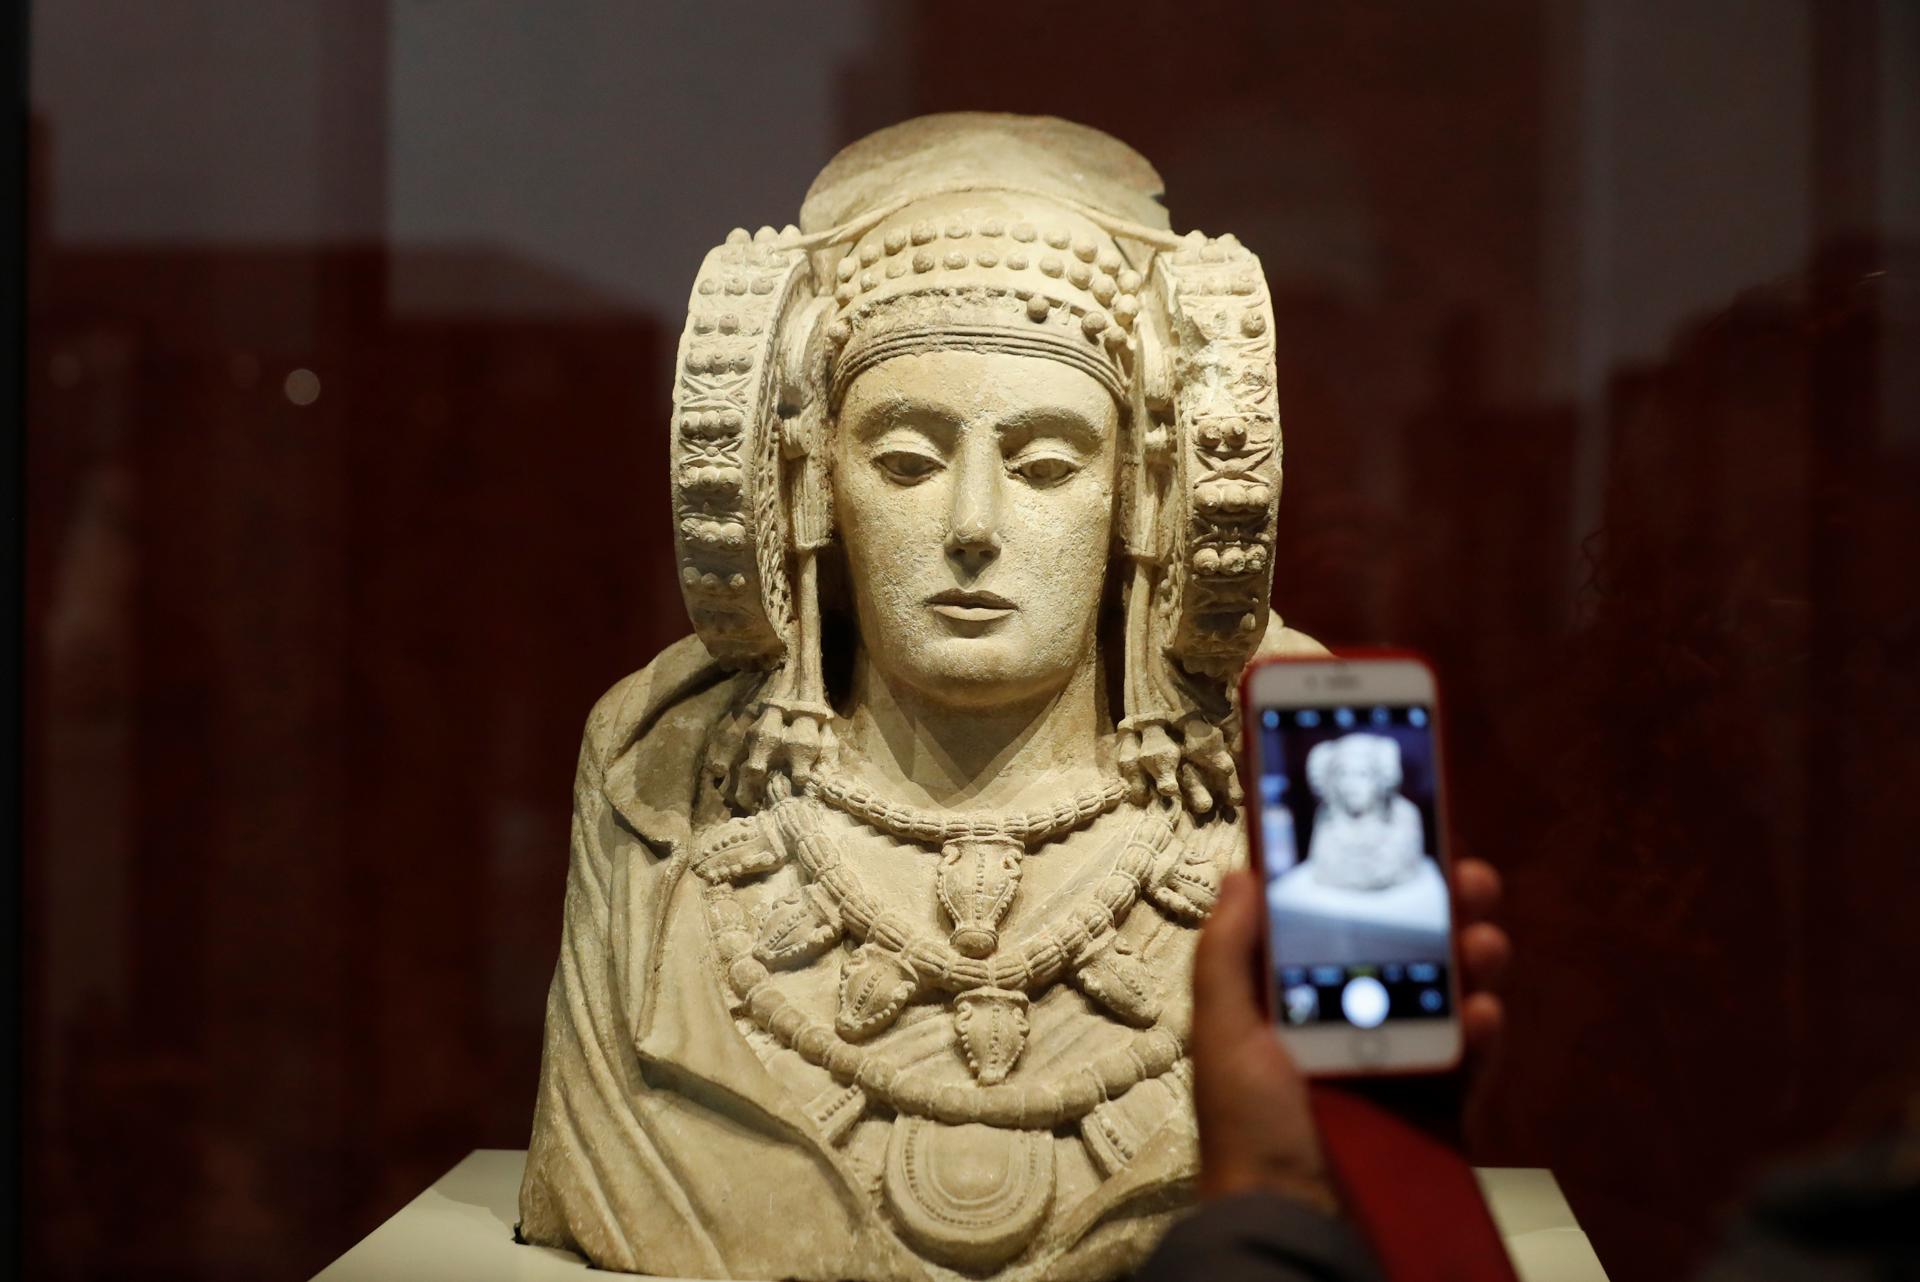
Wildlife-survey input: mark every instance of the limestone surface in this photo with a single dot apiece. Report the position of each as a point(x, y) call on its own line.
point(884, 884)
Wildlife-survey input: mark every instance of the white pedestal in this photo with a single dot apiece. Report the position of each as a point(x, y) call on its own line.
point(1418, 904)
point(461, 1230)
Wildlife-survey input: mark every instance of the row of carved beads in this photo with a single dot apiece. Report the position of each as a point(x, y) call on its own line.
point(1182, 881)
point(1108, 291)
point(936, 827)
point(726, 323)
point(753, 262)
point(898, 239)
point(712, 424)
point(922, 1092)
point(1038, 308)
point(765, 238)
point(713, 400)
point(1100, 271)
point(1230, 560)
point(1227, 497)
point(738, 283)
point(1196, 248)
point(926, 1093)
point(735, 851)
point(717, 359)
point(1026, 965)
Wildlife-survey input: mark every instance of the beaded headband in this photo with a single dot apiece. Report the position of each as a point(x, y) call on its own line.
point(982, 233)
point(957, 272)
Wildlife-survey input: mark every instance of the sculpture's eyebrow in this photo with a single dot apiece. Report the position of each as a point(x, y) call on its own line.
point(1053, 420)
point(909, 412)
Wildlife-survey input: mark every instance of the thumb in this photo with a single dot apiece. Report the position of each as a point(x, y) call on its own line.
point(1226, 1001)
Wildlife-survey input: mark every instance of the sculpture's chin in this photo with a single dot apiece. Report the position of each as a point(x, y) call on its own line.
point(982, 672)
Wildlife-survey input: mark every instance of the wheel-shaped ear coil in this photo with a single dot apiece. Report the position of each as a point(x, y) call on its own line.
point(730, 530)
point(1320, 768)
point(1212, 603)
point(1206, 486)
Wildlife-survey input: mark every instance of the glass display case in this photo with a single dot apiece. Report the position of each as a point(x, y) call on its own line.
point(351, 330)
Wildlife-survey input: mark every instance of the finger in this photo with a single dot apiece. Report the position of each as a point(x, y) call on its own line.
point(1127, 757)
point(803, 747)
point(1227, 776)
point(1481, 1019)
point(1476, 885)
point(1160, 758)
point(1201, 738)
point(1217, 766)
point(1199, 800)
point(751, 781)
point(1165, 781)
point(1485, 951)
point(1225, 1002)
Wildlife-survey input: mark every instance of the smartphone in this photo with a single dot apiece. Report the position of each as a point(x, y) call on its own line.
point(1347, 820)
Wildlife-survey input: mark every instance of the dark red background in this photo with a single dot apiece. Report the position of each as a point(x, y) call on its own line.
point(305, 682)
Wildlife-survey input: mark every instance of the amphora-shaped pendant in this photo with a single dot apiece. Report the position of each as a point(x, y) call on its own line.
point(874, 988)
point(991, 1024)
point(979, 877)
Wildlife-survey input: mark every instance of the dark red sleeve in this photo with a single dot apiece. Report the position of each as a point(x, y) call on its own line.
point(1259, 1237)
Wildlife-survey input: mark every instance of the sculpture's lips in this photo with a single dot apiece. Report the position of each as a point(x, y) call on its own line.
point(971, 606)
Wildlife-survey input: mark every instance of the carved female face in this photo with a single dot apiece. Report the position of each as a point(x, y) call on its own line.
point(974, 494)
point(1356, 773)
point(1358, 787)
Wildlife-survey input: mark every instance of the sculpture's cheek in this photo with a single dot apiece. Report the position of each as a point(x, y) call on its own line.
point(954, 495)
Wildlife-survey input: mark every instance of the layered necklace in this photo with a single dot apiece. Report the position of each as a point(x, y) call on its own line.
point(988, 981)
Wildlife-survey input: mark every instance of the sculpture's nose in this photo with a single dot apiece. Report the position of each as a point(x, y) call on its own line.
point(973, 531)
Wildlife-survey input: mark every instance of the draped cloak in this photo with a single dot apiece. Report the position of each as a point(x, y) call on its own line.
point(671, 1138)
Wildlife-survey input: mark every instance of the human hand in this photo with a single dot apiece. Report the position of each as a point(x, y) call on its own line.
point(1484, 952)
point(783, 749)
point(1256, 1129)
point(1195, 767)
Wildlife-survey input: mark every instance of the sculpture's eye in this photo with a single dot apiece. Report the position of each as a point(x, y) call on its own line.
point(1044, 469)
point(907, 467)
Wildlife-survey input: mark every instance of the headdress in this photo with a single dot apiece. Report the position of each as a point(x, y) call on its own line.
point(978, 269)
point(999, 233)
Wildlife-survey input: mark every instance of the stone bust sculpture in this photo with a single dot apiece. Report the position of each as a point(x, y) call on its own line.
point(1366, 836)
point(884, 884)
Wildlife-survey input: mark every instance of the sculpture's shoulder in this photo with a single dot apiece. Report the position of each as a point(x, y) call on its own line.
point(1402, 813)
point(1285, 641)
point(640, 701)
point(646, 737)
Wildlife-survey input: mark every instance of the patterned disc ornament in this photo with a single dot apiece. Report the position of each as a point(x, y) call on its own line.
point(729, 526)
point(1211, 606)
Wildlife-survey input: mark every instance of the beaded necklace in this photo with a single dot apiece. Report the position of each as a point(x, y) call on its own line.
point(895, 960)
point(937, 827)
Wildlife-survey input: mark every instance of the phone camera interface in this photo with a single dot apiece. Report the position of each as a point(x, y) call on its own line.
point(1357, 899)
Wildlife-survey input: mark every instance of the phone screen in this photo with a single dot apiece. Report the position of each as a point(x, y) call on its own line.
point(1355, 881)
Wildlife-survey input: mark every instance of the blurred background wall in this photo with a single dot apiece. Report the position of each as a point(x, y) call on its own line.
point(351, 331)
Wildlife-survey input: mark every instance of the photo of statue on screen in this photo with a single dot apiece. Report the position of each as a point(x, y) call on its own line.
point(1370, 886)
point(1366, 836)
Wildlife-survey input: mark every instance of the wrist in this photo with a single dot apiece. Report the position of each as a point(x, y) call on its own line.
point(1311, 1188)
